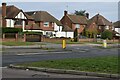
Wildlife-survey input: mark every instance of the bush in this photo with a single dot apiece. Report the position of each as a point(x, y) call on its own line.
point(11, 30)
point(107, 35)
point(76, 35)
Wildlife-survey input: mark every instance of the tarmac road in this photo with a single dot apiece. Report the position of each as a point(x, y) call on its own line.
point(21, 55)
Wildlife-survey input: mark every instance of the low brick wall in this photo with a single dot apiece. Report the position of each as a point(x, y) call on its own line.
point(86, 40)
point(52, 39)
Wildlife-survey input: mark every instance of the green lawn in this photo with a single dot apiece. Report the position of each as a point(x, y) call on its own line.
point(19, 43)
point(70, 42)
point(98, 64)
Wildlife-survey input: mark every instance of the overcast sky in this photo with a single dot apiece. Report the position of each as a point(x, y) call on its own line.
point(107, 9)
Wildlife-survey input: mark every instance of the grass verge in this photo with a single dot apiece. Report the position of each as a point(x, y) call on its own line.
point(98, 64)
point(19, 43)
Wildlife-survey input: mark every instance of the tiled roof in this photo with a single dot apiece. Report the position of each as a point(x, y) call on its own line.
point(78, 19)
point(100, 20)
point(116, 24)
point(43, 16)
point(67, 28)
point(12, 11)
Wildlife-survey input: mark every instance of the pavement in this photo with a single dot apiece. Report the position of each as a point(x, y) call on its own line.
point(68, 72)
point(18, 73)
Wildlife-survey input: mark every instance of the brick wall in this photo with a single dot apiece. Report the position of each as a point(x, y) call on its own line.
point(48, 28)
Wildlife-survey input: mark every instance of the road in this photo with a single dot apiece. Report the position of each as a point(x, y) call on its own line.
point(20, 55)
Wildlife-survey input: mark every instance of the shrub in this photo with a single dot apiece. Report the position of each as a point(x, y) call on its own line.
point(76, 35)
point(11, 30)
point(107, 35)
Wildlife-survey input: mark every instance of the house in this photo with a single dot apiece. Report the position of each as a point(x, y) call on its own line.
point(46, 22)
point(117, 27)
point(72, 21)
point(49, 25)
point(100, 22)
point(15, 18)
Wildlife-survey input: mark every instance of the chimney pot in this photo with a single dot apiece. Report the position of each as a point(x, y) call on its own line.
point(3, 3)
point(87, 15)
point(65, 13)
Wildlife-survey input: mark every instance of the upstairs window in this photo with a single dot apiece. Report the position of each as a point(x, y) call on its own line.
point(107, 27)
point(18, 22)
point(46, 24)
point(77, 25)
point(99, 27)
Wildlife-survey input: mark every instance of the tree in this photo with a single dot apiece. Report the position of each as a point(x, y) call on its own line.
point(81, 12)
point(76, 35)
point(107, 35)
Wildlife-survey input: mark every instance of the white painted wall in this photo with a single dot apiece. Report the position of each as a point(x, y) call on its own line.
point(117, 30)
point(61, 33)
point(65, 34)
point(10, 23)
point(57, 28)
point(21, 16)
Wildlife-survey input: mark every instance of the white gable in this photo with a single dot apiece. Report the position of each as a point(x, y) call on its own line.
point(21, 16)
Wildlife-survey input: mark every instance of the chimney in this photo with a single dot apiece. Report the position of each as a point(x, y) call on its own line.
point(65, 13)
point(87, 15)
point(3, 14)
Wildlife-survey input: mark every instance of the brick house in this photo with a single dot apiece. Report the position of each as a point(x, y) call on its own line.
point(117, 27)
point(14, 17)
point(49, 25)
point(74, 21)
point(46, 22)
point(39, 21)
point(100, 23)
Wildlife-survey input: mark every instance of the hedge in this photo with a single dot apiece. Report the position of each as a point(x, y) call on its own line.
point(32, 32)
point(11, 30)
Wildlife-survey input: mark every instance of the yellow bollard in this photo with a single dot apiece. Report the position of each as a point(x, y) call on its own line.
point(104, 44)
point(64, 44)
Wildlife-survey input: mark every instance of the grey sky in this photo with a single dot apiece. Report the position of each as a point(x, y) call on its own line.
point(107, 9)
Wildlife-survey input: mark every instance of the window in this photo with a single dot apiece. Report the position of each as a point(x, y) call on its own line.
point(9, 23)
point(99, 27)
point(46, 24)
point(77, 25)
point(26, 22)
point(107, 27)
point(18, 22)
point(20, 15)
point(59, 28)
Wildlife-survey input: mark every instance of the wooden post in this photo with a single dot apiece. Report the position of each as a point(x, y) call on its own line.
point(24, 38)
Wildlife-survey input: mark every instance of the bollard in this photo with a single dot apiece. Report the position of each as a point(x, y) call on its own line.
point(64, 44)
point(104, 43)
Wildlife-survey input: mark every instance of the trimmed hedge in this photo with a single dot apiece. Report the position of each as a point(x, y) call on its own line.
point(32, 32)
point(11, 30)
